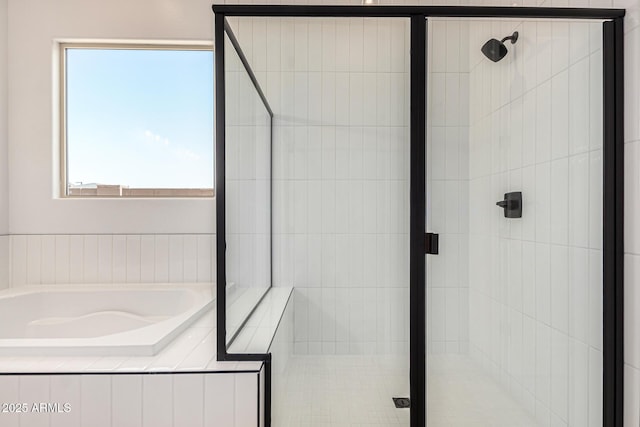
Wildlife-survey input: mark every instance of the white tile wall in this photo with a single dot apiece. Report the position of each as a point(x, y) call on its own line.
point(106, 258)
point(530, 279)
point(175, 400)
point(340, 176)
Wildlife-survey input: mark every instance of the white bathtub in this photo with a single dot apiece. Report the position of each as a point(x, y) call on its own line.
point(92, 320)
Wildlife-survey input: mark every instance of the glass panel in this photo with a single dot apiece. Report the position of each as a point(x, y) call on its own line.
point(339, 91)
point(248, 193)
point(515, 299)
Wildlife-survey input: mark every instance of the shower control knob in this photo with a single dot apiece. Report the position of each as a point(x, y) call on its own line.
point(512, 204)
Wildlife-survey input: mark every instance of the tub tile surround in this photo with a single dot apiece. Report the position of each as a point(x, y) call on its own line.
point(199, 391)
point(191, 351)
point(111, 258)
point(133, 400)
point(128, 397)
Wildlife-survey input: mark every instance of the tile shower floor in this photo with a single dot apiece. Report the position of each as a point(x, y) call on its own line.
point(461, 394)
point(355, 391)
point(339, 391)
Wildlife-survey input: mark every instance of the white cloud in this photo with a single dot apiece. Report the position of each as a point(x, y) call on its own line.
point(182, 153)
point(151, 138)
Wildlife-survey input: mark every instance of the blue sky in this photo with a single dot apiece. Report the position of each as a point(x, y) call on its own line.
point(142, 118)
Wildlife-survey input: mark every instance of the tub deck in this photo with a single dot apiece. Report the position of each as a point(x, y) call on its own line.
point(194, 350)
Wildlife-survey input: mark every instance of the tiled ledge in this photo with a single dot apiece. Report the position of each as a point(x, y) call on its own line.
point(257, 334)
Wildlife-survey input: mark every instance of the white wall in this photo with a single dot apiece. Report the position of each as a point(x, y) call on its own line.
point(32, 30)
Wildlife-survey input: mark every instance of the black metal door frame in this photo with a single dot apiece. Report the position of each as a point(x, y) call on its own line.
point(613, 186)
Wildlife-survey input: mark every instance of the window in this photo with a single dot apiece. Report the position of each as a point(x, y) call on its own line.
point(137, 121)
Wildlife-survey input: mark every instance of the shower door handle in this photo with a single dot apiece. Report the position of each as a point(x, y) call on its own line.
point(431, 243)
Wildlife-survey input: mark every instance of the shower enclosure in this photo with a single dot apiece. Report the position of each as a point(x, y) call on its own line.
point(442, 188)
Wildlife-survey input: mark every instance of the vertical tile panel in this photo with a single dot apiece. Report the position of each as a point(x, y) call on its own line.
point(190, 258)
point(315, 45)
point(162, 258)
point(595, 387)
point(188, 400)
point(9, 392)
point(543, 364)
point(301, 50)
point(220, 395)
point(559, 201)
point(204, 242)
point(559, 373)
point(543, 285)
point(133, 259)
point(301, 313)
point(76, 258)
point(34, 389)
point(579, 200)
point(34, 260)
point(578, 293)
point(62, 259)
point(595, 199)
point(48, 259)
point(105, 258)
point(246, 400)
point(95, 403)
point(543, 122)
point(578, 384)
point(356, 43)
point(579, 107)
point(126, 400)
point(157, 403)
point(452, 315)
point(342, 105)
point(90, 255)
point(631, 416)
point(176, 258)
point(273, 45)
point(147, 259)
point(119, 254)
point(66, 389)
point(560, 115)
point(543, 202)
point(18, 260)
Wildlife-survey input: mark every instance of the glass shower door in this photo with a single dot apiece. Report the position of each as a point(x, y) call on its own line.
point(514, 299)
point(339, 90)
